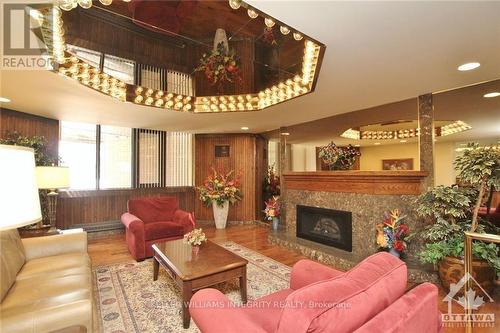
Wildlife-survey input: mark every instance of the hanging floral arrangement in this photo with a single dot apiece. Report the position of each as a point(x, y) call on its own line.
point(338, 158)
point(220, 66)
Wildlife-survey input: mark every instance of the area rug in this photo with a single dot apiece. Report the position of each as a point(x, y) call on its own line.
point(128, 300)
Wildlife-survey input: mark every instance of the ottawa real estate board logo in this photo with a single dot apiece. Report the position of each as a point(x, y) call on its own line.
point(23, 46)
point(470, 305)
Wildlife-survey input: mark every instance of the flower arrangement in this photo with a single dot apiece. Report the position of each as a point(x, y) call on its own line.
point(195, 237)
point(220, 66)
point(272, 208)
point(391, 234)
point(271, 183)
point(219, 188)
point(338, 158)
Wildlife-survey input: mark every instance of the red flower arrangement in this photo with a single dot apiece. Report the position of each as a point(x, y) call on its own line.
point(392, 233)
point(219, 188)
point(220, 66)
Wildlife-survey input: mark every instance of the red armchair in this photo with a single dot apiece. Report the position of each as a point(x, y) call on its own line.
point(151, 220)
point(370, 298)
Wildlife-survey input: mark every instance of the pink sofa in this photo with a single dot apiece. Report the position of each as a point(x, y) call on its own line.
point(369, 298)
point(151, 220)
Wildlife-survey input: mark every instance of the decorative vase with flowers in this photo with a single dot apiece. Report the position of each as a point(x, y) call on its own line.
point(273, 211)
point(338, 158)
point(392, 233)
point(219, 190)
point(195, 238)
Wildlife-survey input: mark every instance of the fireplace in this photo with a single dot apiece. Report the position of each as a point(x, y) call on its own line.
point(326, 226)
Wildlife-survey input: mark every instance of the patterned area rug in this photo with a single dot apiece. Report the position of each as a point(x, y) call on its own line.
point(128, 300)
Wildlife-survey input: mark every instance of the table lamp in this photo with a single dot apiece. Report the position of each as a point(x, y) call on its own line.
point(52, 178)
point(19, 200)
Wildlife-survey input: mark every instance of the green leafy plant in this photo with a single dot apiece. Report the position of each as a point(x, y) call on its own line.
point(454, 209)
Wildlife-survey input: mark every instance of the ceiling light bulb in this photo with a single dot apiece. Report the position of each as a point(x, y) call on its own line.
point(377, 143)
point(402, 141)
point(85, 4)
point(235, 4)
point(269, 22)
point(66, 4)
point(4, 100)
point(284, 30)
point(244, 128)
point(285, 133)
point(492, 94)
point(297, 36)
point(252, 13)
point(468, 66)
point(106, 2)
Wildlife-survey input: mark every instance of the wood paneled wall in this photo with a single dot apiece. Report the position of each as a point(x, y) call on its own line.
point(95, 206)
point(246, 157)
point(30, 125)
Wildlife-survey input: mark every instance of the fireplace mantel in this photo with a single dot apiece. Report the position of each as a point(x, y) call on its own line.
point(364, 182)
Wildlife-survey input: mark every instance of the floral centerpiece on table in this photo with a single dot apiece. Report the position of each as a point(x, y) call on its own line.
point(392, 233)
point(338, 158)
point(272, 208)
point(219, 188)
point(220, 66)
point(195, 237)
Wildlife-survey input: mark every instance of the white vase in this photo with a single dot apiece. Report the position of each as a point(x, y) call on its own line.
point(220, 214)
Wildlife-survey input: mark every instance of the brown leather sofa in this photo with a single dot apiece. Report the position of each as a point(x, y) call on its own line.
point(46, 283)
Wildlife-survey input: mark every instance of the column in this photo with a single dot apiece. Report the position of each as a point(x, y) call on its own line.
point(283, 167)
point(426, 138)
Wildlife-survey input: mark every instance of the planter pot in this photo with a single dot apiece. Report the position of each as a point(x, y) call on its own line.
point(276, 222)
point(395, 253)
point(451, 270)
point(220, 214)
point(195, 249)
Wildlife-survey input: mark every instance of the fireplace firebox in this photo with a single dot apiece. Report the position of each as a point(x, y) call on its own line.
point(326, 226)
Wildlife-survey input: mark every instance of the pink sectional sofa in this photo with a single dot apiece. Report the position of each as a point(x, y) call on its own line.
point(369, 298)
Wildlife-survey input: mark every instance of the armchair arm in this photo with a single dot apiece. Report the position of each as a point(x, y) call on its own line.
point(305, 272)
point(187, 220)
point(214, 312)
point(38, 247)
point(132, 222)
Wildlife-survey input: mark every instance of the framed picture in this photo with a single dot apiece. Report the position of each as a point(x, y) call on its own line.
point(222, 151)
point(398, 164)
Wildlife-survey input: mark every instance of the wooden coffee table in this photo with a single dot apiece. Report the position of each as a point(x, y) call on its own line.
point(213, 264)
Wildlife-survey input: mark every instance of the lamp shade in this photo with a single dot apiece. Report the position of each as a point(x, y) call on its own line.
point(19, 200)
point(52, 177)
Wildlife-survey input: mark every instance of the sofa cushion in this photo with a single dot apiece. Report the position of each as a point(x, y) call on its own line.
point(11, 259)
point(153, 209)
point(265, 311)
point(345, 302)
point(56, 266)
point(158, 230)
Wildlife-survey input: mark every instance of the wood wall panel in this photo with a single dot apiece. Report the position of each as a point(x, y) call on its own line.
point(86, 207)
point(243, 160)
point(30, 125)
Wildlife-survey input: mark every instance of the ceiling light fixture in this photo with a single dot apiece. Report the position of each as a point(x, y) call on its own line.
point(269, 22)
point(492, 94)
point(284, 30)
point(4, 100)
point(235, 4)
point(357, 145)
point(468, 66)
point(402, 141)
point(285, 133)
point(244, 128)
point(377, 143)
point(252, 13)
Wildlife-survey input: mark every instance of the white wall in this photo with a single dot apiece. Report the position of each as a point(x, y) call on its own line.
point(303, 157)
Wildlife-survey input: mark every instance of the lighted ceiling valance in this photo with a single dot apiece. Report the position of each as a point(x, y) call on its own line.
point(283, 63)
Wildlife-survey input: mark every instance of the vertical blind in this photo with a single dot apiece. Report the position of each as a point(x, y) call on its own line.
point(179, 83)
point(179, 152)
point(151, 76)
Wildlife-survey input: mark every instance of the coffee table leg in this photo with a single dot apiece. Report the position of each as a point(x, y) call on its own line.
point(156, 266)
point(243, 285)
point(187, 293)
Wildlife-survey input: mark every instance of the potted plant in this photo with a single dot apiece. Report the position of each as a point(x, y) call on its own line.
point(454, 210)
point(273, 210)
point(392, 233)
point(219, 190)
point(338, 158)
point(194, 238)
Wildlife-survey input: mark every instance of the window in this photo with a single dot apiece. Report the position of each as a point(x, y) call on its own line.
point(119, 68)
point(150, 146)
point(77, 149)
point(179, 158)
point(90, 56)
point(115, 157)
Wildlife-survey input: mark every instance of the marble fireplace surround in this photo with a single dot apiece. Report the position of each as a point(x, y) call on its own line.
point(367, 195)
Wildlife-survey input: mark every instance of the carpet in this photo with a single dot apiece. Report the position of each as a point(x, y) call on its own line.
point(128, 300)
